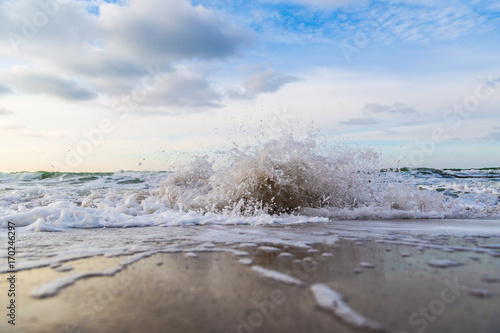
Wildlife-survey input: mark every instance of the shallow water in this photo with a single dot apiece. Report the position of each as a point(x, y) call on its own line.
point(383, 269)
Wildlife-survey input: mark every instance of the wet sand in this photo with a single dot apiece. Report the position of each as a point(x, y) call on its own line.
point(398, 285)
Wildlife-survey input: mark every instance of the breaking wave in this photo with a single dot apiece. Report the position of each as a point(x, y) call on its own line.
point(292, 177)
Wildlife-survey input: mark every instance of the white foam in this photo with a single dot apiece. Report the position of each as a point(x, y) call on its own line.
point(443, 263)
point(491, 246)
point(247, 245)
point(366, 265)
point(241, 253)
point(64, 269)
point(41, 225)
point(331, 300)
point(480, 293)
point(246, 261)
point(53, 287)
point(490, 279)
point(136, 257)
point(277, 276)
point(268, 249)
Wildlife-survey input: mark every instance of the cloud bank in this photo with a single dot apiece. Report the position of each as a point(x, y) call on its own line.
point(106, 51)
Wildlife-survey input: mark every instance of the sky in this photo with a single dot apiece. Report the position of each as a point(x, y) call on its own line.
point(144, 84)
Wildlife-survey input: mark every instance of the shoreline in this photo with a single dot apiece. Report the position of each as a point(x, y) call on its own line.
point(433, 280)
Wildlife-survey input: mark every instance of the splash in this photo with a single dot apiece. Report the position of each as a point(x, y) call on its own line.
point(281, 176)
point(289, 176)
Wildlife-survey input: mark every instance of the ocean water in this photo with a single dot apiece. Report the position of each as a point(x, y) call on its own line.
point(281, 196)
point(279, 182)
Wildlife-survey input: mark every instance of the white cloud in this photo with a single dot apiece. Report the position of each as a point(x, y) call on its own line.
point(5, 90)
point(30, 82)
point(323, 3)
point(108, 54)
point(494, 135)
point(358, 122)
point(360, 23)
point(180, 89)
point(173, 29)
point(21, 131)
point(435, 22)
point(4, 112)
point(268, 81)
point(396, 108)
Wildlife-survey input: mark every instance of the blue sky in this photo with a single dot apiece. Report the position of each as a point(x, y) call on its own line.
point(110, 85)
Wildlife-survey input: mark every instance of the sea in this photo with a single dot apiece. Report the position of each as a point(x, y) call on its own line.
point(280, 182)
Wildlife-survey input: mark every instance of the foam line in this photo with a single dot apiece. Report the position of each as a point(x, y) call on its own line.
point(331, 300)
point(277, 276)
point(53, 287)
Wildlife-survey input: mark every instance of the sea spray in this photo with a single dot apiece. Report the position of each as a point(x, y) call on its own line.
point(291, 176)
point(280, 176)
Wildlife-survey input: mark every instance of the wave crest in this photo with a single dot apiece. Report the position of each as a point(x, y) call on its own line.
point(289, 176)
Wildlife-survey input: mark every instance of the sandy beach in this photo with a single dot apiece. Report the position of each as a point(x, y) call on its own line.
point(433, 280)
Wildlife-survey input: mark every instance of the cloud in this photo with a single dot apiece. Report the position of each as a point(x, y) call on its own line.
point(4, 90)
point(36, 83)
point(322, 3)
point(40, 134)
point(493, 136)
point(396, 108)
point(4, 112)
point(169, 93)
point(494, 7)
point(140, 32)
point(22, 131)
point(358, 122)
point(11, 126)
point(359, 23)
point(109, 53)
point(173, 29)
point(182, 89)
point(441, 23)
point(268, 81)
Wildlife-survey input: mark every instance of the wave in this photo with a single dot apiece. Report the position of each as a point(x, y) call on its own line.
point(289, 176)
point(281, 176)
point(282, 181)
